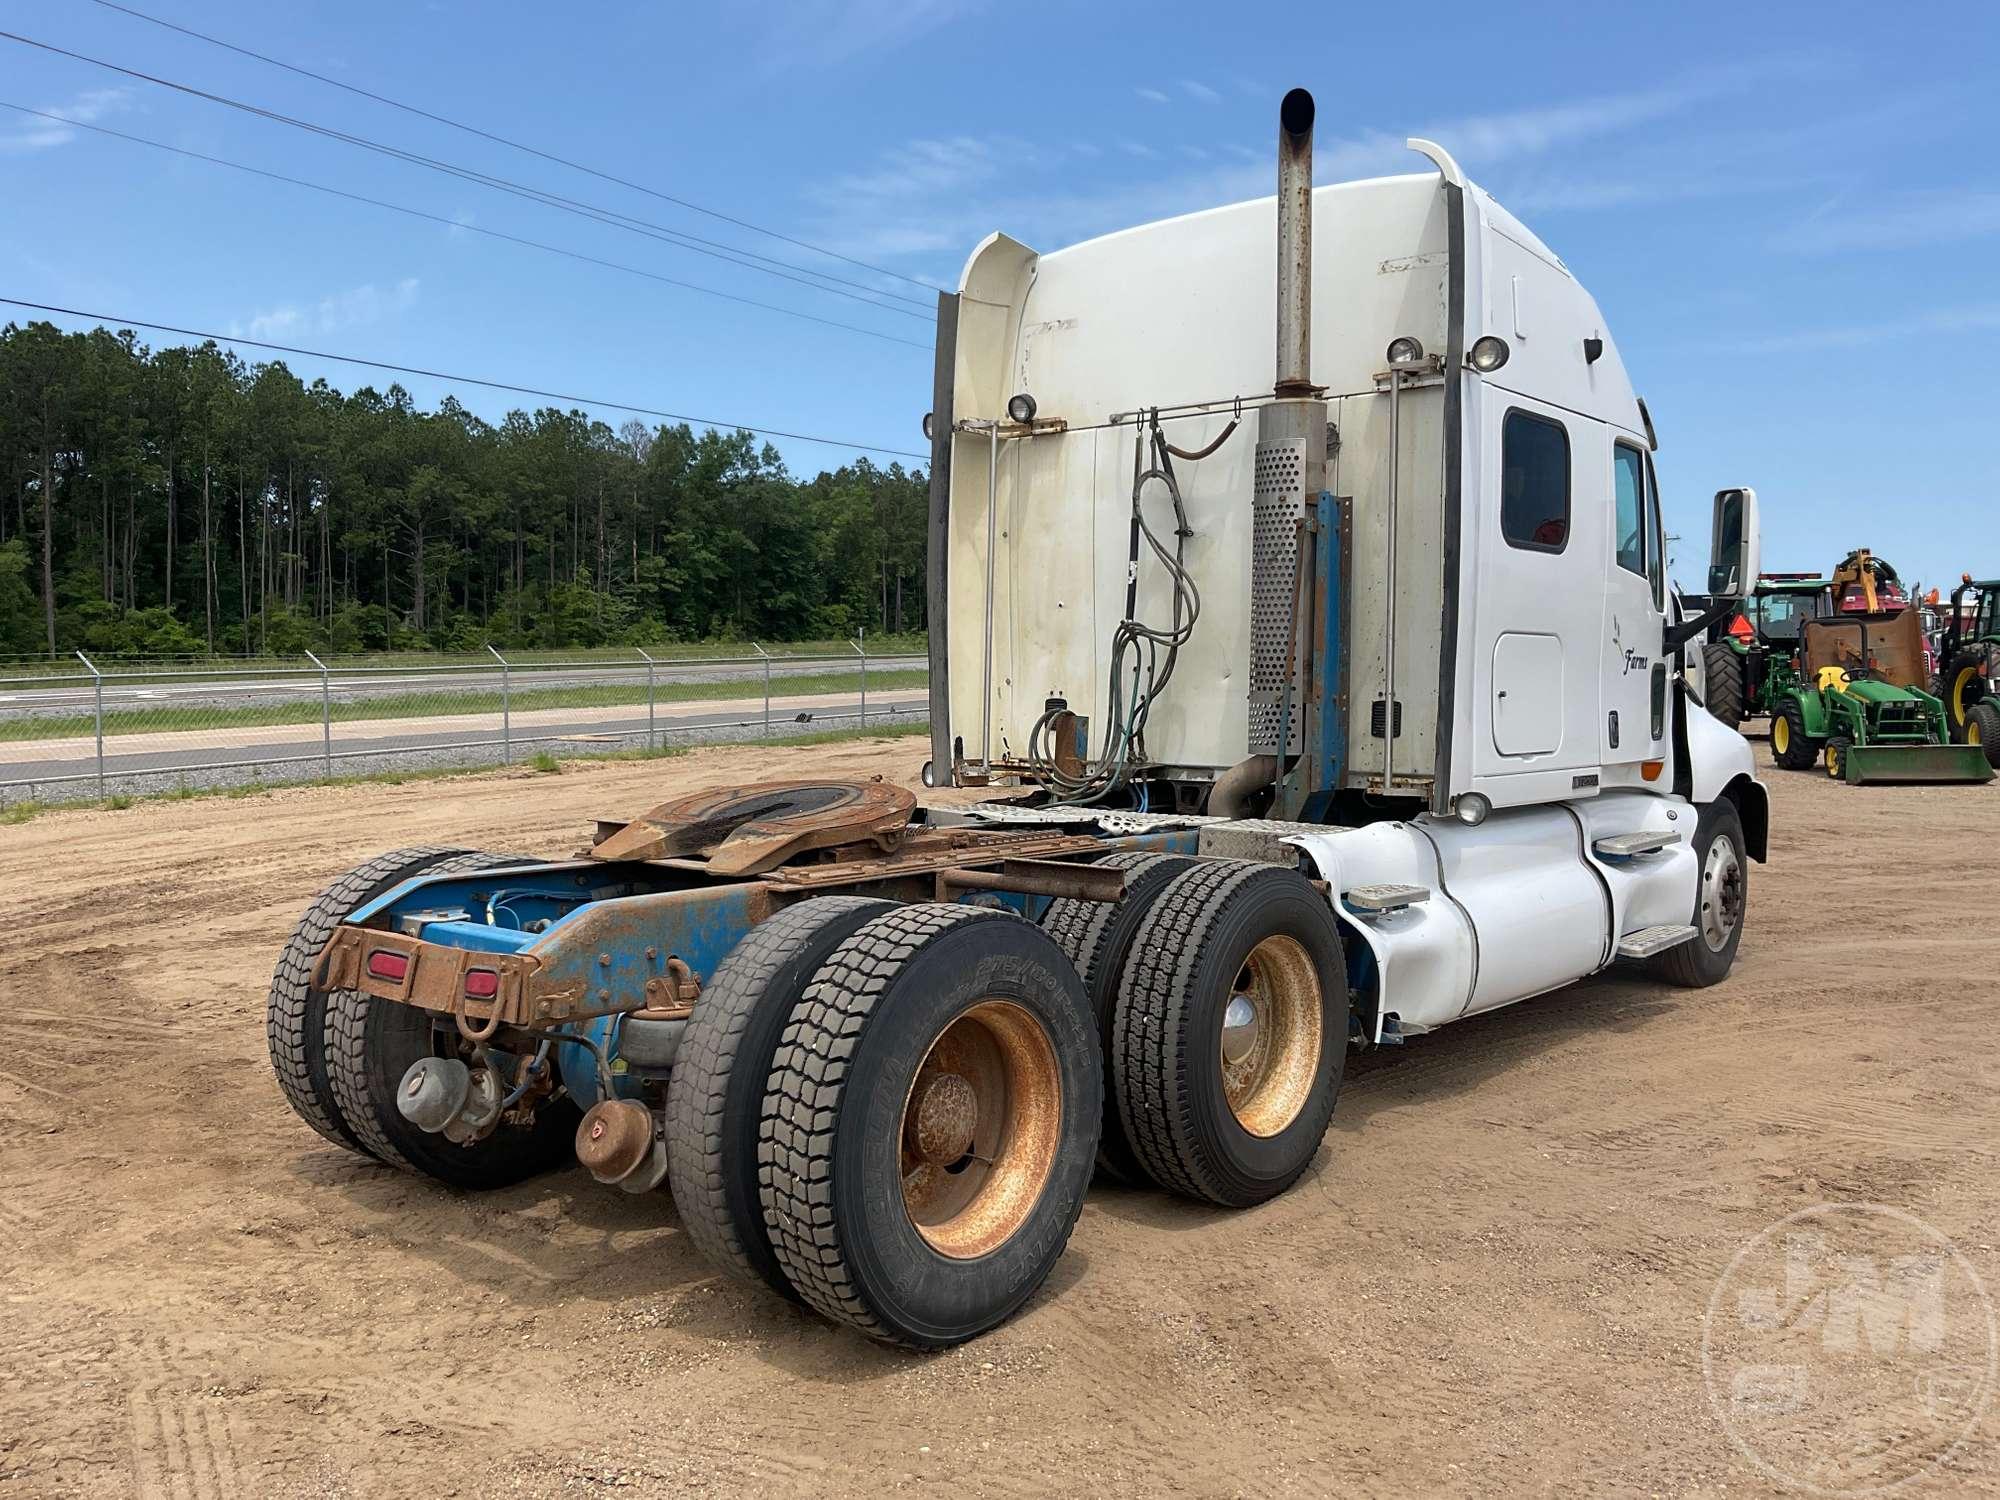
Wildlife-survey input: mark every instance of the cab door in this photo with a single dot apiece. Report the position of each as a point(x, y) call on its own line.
point(1538, 600)
point(1632, 722)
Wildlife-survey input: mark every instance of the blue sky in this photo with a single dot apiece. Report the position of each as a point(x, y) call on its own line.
point(1788, 212)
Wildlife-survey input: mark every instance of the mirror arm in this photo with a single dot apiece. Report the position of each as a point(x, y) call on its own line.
point(1679, 635)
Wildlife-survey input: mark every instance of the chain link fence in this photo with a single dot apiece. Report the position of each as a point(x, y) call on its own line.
point(97, 729)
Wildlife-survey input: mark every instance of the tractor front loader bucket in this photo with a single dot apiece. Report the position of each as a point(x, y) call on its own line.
point(1865, 764)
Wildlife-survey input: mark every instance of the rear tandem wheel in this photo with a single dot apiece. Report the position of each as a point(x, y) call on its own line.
point(340, 1056)
point(295, 1009)
point(715, 1094)
point(930, 1123)
point(1232, 1031)
point(1097, 936)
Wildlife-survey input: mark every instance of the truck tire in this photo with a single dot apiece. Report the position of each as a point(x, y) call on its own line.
point(1961, 684)
point(1097, 936)
point(1982, 728)
point(1791, 746)
point(715, 1094)
point(295, 1011)
point(930, 1124)
point(1231, 1113)
point(369, 1046)
point(1722, 895)
point(1722, 682)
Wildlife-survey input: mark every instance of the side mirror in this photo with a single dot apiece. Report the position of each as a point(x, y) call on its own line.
point(1734, 549)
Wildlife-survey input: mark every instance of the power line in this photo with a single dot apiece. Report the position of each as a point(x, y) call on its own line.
point(502, 140)
point(105, 319)
point(735, 255)
point(418, 213)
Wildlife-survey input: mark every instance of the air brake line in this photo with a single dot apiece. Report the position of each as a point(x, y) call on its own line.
point(1141, 642)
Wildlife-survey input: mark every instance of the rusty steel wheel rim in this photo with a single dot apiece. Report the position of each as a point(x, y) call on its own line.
point(981, 1125)
point(1271, 1036)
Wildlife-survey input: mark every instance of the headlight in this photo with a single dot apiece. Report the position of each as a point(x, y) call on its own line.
point(1021, 408)
point(1470, 808)
point(1489, 354)
point(1405, 351)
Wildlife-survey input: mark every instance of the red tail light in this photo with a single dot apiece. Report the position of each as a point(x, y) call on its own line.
point(481, 984)
point(394, 967)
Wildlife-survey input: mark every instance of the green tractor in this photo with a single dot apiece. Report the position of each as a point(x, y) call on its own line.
point(1855, 699)
point(1969, 666)
point(1752, 666)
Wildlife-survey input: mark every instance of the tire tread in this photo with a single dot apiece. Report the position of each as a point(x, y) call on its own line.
point(697, 1093)
point(346, 1037)
point(1155, 1099)
point(288, 1033)
point(802, 1105)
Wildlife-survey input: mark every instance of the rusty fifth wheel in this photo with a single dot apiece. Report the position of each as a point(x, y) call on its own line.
point(1231, 1034)
point(930, 1122)
point(743, 830)
point(715, 1097)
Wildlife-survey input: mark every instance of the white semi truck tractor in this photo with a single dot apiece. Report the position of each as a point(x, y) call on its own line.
point(1402, 587)
point(1323, 670)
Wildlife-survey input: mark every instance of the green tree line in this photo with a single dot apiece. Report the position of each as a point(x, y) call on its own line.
point(181, 500)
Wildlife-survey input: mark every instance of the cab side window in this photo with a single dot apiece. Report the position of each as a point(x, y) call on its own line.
point(1534, 483)
point(1628, 485)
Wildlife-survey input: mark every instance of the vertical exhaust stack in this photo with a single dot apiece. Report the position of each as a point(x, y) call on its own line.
point(1290, 473)
point(1295, 244)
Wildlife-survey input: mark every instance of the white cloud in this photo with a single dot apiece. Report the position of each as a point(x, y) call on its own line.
point(1152, 96)
point(331, 313)
point(1200, 91)
point(948, 194)
point(35, 134)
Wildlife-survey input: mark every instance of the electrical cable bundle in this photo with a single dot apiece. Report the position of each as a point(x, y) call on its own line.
point(1142, 655)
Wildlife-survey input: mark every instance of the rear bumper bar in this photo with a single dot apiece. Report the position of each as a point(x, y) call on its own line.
point(434, 978)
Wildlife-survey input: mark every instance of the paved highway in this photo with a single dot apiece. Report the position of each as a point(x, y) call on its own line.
point(291, 750)
point(40, 696)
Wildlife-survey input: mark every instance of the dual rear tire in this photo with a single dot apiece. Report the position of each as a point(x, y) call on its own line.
point(339, 1056)
point(930, 1087)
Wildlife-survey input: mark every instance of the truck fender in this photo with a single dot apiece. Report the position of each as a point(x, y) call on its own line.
point(1714, 761)
point(1753, 807)
point(1418, 963)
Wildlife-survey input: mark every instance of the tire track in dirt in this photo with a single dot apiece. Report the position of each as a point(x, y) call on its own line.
point(1494, 1275)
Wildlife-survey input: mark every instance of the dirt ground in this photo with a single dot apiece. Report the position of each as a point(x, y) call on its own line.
point(1496, 1274)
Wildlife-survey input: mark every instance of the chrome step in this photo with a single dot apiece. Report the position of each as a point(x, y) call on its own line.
point(1650, 940)
point(1378, 900)
point(1627, 845)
